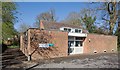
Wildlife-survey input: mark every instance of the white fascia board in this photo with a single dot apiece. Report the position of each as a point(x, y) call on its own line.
point(78, 34)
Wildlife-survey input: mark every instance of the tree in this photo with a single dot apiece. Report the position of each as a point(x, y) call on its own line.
point(46, 16)
point(117, 33)
point(23, 27)
point(109, 14)
point(8, 12)
point(89, 23)
point(84, 18)
point(88, 19)
point(8, 19)
point(73, 18)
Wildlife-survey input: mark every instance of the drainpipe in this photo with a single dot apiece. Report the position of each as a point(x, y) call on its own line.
point(29, 47)
point(29, 57)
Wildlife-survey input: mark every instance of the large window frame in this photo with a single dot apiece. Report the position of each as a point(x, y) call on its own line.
point(74, 42)
point(67, 29)
point(73, 30)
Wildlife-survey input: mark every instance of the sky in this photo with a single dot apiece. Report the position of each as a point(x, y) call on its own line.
point(28, 11)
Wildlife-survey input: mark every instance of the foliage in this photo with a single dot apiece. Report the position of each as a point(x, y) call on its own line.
point(89, 23)
point(13, 46)
point(8, 12)
point(118, 49)
point(8, 31)
point(8, 19)
point(84, 18)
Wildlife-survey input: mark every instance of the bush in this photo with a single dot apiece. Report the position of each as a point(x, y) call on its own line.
point(13, 46)
point(118, 49)
point(3, 47)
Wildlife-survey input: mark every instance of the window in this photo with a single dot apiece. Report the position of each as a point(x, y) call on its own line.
point(73, 30)
point(65, 29)
point(80, 31)
point(75, 41)
point(70, 38)
point(71, 43)
point(76, 30)
point(79, 38)
point(69, 30)
point(78, 43)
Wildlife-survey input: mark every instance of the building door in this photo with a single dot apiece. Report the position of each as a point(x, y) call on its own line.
point(75, 45)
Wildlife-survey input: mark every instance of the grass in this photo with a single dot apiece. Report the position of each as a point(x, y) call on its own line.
point(13, 46)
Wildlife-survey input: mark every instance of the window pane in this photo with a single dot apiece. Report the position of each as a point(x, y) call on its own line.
point(71, 43)
point(76, 30)
point(81, 43)
point(65, 29)
point(71, 38)
point(69, 30)
point(78, 43)
point(79, 38)
point(71, 50)
point(79, 31)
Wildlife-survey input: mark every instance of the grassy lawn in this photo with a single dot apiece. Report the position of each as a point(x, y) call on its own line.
point(13, 46)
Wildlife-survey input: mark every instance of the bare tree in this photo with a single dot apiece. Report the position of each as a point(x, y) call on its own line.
point(23, 27)
point(73, 18)
point(46, 16)
point(109, 14)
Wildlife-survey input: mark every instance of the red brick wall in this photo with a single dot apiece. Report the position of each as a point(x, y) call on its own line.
point(60, 49)
point(24, 43)
point(100, 43)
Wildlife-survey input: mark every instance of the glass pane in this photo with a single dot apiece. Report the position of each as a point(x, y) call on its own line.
point(78, 38)
point(69, 30)
point(65, 29)
point(71, 43)
point(78, 43)
point(81, 43)
point(79, 31)
point(70, 38)
point(71, 50)
point(76, 30)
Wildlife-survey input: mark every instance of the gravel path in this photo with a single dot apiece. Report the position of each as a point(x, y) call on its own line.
point(94, 61)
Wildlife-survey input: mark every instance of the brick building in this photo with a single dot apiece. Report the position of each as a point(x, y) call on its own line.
point(60, 40)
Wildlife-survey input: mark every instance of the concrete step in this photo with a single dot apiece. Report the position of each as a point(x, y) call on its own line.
point(23, 58)
point(12, 57)
point(8, 57)
point(11, 62)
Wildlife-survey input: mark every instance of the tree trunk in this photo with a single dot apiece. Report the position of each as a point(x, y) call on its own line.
point(113, 18)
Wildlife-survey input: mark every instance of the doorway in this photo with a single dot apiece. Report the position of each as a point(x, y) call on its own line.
point(75, 45)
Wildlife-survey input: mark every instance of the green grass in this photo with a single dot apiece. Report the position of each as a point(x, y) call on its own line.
point(13, 46)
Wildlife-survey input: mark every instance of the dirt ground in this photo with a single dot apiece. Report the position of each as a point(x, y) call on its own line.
point(107, 60)
point(83, 61)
